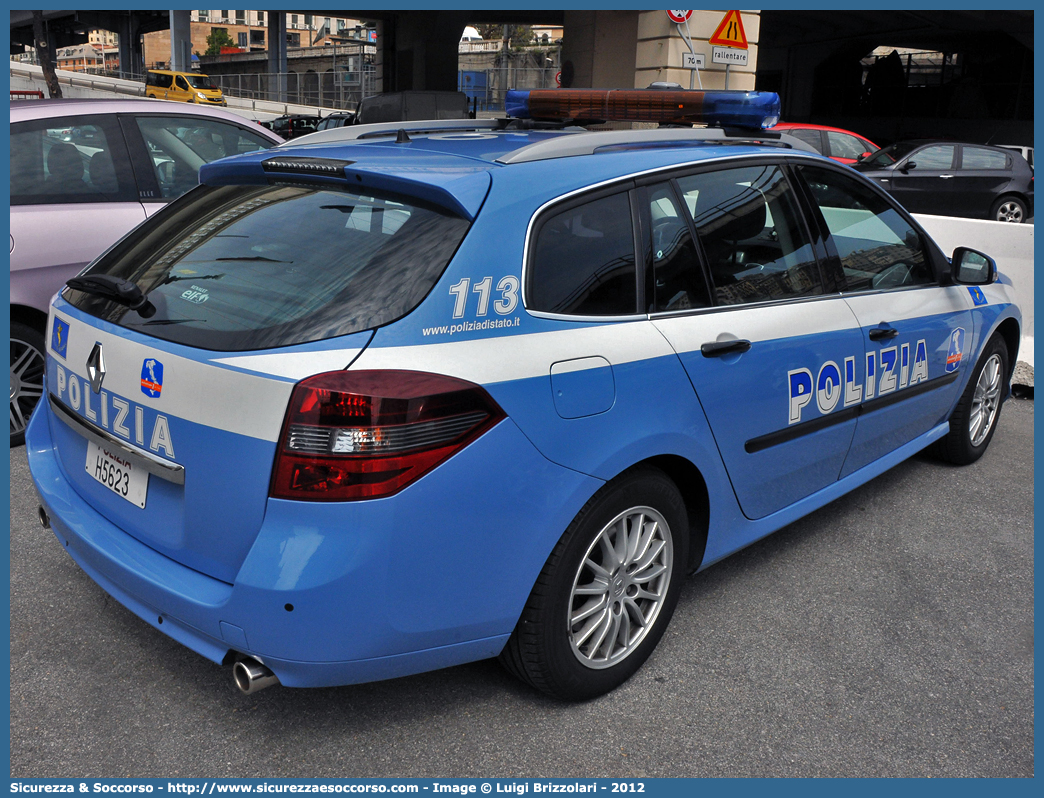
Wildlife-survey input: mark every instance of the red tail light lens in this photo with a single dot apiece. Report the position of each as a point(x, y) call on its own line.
point(368, 434)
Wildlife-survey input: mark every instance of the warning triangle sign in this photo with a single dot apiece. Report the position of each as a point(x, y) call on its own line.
point(730, 32)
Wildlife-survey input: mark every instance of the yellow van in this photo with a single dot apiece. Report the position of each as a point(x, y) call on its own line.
point(186, 87)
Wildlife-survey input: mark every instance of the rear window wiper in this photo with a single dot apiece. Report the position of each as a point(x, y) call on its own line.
point(174, 278)
point(254, 257)
point(120, 291)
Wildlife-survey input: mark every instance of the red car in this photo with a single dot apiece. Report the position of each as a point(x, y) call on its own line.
point(841, 145)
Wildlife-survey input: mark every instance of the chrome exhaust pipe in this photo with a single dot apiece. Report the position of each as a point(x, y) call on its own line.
point(45, 522)
point(251, 676)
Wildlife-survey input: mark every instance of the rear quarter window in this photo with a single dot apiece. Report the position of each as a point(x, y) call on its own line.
point(813, 137)
point(69, 160)
point(235, 268)
point(980, 158)
point(582, 260)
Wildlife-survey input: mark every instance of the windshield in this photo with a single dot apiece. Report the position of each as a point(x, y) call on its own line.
point(234, 268)
point(886, 157)
point(200, 82)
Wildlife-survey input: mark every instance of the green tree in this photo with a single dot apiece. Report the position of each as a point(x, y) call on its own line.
point(216, 39)
point(490, 31)
point(518, 34)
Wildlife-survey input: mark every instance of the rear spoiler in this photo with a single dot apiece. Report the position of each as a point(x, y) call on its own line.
point(458, 185)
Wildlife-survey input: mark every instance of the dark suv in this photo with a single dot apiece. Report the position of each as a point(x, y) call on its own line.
point(290, 126)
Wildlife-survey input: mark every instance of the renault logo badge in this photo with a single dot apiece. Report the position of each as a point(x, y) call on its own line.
point(96, 368)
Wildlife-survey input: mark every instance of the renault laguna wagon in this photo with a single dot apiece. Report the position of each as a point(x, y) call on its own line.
point(398, 397)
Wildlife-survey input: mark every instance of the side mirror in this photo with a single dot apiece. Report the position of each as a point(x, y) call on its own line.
point(864, 156)
point(970, 267)
point(906, 167)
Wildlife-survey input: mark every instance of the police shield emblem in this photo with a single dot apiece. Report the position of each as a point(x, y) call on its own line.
point(953, 356)
point(60, 337)
point(151, 377)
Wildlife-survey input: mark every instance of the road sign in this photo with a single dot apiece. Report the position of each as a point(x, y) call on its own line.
point(558, 79)
point(693, 60)
point(679, 16)
point(730, 32)
point(728, 55)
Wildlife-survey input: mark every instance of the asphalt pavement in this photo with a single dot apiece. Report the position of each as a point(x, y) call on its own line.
point(888, 634)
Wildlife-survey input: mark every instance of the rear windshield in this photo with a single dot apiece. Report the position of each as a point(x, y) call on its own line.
point(235, 268)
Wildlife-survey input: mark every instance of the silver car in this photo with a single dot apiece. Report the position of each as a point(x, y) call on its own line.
point(84, 173)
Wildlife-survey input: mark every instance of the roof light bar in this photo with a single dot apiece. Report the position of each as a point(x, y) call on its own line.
point(748, 109)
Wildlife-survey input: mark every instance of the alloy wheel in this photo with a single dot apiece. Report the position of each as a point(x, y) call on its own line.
point(620, 587)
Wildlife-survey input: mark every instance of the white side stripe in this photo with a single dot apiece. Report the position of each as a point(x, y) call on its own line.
point(200, 392)
point(292, 365)
point(516, 357)
point(758, 323)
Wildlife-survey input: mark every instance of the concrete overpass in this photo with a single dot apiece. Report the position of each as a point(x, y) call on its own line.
point(811, 57)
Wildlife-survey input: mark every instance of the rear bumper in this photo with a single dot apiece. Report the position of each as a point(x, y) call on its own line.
point(348, 592)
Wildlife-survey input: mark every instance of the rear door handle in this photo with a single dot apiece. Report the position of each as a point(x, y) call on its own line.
point(719, 348)
point(945, 177)
point(883, 333)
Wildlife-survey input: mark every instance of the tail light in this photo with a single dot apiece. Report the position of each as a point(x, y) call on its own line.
point(368, 434)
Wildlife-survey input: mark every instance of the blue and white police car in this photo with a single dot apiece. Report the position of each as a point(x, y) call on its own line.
point(398, 397)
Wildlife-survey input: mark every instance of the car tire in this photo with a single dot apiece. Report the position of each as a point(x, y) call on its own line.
point(27, 373)
point(1008, 209)
point(974, 420)
point(607, 592)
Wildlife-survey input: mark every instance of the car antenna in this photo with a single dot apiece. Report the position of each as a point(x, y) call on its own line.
point(402, 137)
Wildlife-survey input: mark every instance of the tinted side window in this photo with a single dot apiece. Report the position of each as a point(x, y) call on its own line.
point(178, 146)
point(937, 157)
point(75, 159)
point(756, 245)
point(180, 83)
point(979, 158)
point(877, 247)
point(844, 146)
point(583, 261)
point(809, 137)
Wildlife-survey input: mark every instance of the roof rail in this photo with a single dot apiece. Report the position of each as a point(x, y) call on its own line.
point(380, 129)
point(592, 141)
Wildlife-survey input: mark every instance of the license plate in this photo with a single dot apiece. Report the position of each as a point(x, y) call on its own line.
point(117, 474)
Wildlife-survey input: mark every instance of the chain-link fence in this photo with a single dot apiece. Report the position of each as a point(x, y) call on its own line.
point(344, 89)
point(332, 89)
point(486, 88)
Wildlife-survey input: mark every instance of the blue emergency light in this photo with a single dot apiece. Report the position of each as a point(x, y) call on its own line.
point(747, 109)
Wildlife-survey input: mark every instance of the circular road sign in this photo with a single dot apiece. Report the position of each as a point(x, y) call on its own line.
point(558, 79)
point(679, 16)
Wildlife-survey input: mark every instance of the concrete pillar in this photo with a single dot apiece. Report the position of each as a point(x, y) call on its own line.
point(131, 61)
point(599, 49)
point(660, 49)
point(422, 50)
point(277, 55)
point(180, 41)
point(380, 61)
point(799, 80)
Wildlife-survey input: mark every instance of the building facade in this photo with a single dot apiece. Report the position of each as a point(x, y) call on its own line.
point(247, 31)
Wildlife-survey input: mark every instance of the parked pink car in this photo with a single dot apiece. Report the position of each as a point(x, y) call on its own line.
point(84, 173)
